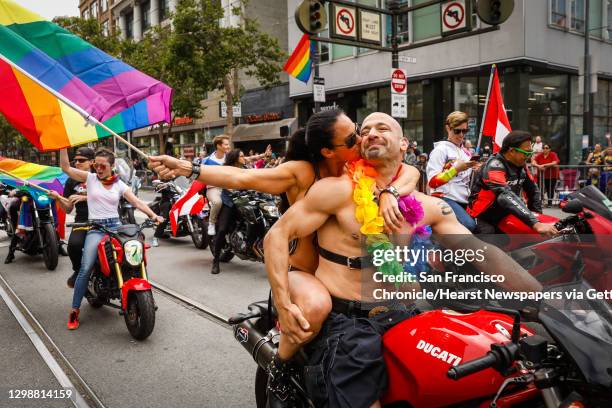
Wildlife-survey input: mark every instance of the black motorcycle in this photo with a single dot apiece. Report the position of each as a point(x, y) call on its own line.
point(256, 213)
point(127, 174)
point(40, 237)
point(194, 226)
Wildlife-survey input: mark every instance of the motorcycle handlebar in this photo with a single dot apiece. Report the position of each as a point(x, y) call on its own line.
point(474, 366)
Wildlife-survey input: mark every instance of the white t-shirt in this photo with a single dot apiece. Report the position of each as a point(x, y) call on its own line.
point(102, 203)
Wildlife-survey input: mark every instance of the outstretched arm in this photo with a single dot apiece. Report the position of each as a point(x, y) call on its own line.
point(302, 219)
point(272, 180)
point(73, 173)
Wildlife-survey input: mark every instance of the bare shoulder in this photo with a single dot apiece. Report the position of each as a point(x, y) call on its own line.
point(413, 171)
point(301, 170)
point(435, 209)
point(331, 192)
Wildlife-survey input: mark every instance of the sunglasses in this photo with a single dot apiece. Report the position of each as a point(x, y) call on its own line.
point(81, 160)
point(100, 166)
point(350, 140)
point(546, 148)
point(460, 131)
point(527, 153)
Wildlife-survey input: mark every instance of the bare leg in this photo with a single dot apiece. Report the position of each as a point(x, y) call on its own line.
point(312, 297)
point(376, 405)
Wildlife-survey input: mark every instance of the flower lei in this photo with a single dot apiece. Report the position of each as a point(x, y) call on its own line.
point(372, 224)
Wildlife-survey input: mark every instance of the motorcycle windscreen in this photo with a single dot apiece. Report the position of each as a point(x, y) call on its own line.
point(583, 328)
point(124, 170)
point(593, 199)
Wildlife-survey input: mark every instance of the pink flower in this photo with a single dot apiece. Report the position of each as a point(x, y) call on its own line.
point(411, 209)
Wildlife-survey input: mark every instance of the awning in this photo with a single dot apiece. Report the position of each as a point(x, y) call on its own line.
point(262, 131)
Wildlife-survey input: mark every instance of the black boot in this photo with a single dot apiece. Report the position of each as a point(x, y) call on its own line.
point(281, 394)
point(215, 268)
point(10, 257)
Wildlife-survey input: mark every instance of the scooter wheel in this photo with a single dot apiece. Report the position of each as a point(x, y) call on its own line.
point(140, 314)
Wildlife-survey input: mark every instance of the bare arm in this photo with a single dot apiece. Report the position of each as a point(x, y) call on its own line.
point(405, 184)
point(136, 202)
point(272, 180)
point(455, 236)
point(76, 174)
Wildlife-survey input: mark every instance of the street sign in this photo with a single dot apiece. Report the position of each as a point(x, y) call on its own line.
point(237, 109)
point(398, 81)
point(406, 59)
point(318, 89)
point(399, 105)
point(369, 27)
point(453, 14)
point(344, 22)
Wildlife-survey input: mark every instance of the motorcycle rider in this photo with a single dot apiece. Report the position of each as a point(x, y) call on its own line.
point(13, 218)
point(76, 193)
point(321, 149)
point(104, 190)
point(502, 180)
point(346, 367)
point(228, 211)
point(213, 193)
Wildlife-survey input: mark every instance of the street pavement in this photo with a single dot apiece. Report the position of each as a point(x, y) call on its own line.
point(188, 361)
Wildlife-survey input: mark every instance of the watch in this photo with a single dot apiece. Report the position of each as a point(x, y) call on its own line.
point(195, 169)
point(391, 190)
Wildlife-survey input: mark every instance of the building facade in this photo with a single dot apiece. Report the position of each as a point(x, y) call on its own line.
point(263, 111)
point(538, 51)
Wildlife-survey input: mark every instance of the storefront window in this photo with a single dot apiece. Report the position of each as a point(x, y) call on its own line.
point(600, 99)
point(577, 153)
point(426, 21)
point(547, 106)
point(369, 104)
point(413, 125)
point(577, 102)
point(384, 100)
point(466, 95)
point(558, 12)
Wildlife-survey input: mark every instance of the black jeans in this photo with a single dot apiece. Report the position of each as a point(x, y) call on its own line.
point(164, 209)
point(225, 221)
point(75, 248)
point(549, 187)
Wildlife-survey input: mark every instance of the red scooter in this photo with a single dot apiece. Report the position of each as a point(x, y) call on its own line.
point(120, 273)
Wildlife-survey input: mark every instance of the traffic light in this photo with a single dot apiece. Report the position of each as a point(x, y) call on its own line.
point(311, 16)
point(494, 12)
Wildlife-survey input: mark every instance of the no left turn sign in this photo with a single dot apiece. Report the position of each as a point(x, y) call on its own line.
point(345, 23)
point(453, 16)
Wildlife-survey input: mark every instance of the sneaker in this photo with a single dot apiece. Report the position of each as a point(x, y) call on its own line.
point(155, 242)
point(211, 229)
point(73, 320)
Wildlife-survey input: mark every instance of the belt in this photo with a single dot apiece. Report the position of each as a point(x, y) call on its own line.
point(355, 308)
point(351, 262)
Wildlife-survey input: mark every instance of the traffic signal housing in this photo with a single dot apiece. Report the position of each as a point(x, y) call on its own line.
point(494, 12)
point(311, 16)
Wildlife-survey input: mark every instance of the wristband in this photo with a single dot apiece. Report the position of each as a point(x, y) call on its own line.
point(195, 169)
point(391, 190)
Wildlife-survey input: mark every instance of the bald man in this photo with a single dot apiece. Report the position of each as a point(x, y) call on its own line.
point(348, 352)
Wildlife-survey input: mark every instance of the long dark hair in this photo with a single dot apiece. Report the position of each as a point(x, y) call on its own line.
point(306, 143)
point(233, 158)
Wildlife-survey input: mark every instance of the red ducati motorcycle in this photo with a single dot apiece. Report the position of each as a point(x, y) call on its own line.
point(121, 273)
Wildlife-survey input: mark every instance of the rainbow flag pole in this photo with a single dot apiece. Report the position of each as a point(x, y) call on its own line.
point(25, 182)
point(86, 116)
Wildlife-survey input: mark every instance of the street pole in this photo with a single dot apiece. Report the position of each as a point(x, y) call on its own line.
point(314, 51)
point(393, 7)
point(586, 116)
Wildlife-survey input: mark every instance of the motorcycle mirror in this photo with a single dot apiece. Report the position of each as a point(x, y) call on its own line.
point(573, 207)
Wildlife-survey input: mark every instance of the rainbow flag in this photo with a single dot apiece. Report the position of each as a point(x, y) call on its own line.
point(104, 87)
point(298, 65)
point(49, 177)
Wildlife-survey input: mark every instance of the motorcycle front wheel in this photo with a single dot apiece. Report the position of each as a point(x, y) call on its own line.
point(140, 314)
point(50, 246)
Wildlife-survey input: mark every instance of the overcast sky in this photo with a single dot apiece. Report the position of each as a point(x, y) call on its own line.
point(51, 8)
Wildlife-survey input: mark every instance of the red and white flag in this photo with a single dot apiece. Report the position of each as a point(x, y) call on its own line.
point(190, 203)
point(496, 123)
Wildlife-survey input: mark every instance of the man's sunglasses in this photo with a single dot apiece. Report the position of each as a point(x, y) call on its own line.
point(100, 166)
point(527, 153)
point(81, 160)
point(460, 131)
point(351, 140)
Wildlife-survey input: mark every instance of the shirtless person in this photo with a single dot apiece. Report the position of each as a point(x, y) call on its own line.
point(328, 209)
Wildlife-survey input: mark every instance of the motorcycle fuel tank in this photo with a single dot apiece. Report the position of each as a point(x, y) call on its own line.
point(419, 351)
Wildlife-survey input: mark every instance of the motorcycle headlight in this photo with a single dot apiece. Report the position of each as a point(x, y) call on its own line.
point(133, 252)
point(271, 210)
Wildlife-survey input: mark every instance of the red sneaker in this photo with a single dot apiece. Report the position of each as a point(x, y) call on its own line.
point(73, 320)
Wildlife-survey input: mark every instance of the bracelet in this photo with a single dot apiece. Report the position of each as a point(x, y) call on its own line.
point(195, 169)
point(391, 190)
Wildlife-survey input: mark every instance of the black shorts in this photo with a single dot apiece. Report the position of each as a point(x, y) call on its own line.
point(346, 367)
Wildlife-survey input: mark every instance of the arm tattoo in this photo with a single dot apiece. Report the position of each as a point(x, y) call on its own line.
point(445, 208)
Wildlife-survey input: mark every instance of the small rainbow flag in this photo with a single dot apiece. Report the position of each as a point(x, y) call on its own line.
point(105, 88)
point(298, 65)
point(49, 177)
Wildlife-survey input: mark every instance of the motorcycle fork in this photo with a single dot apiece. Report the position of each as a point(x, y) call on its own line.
point(143, 271)
point(189, 224)
point(118, 271)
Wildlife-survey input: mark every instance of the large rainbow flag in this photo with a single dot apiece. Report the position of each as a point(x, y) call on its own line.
point(49, 177)
point(299, 64)
point(100, 85)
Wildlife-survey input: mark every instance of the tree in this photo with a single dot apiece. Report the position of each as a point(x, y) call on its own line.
point(91, 31)
point(11, 141)
point(221, 54)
